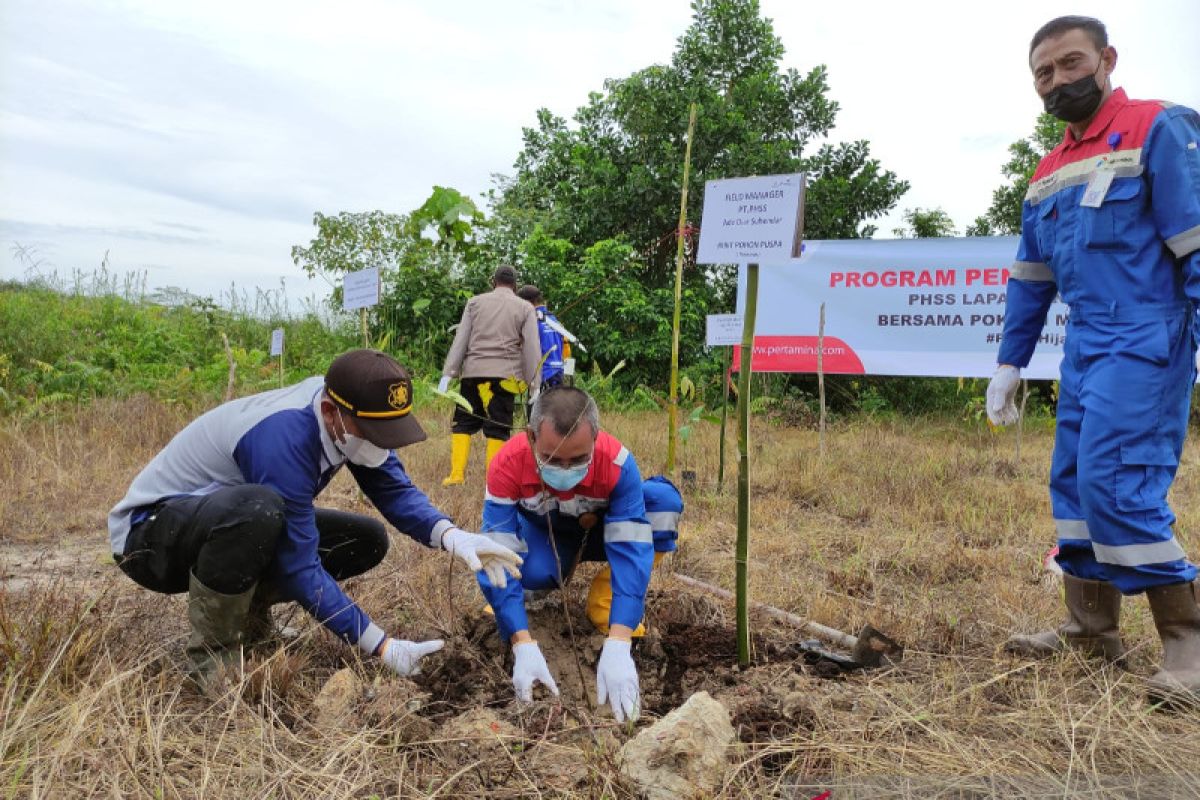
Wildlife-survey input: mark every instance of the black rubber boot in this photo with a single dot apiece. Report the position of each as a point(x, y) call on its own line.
point(214, 649)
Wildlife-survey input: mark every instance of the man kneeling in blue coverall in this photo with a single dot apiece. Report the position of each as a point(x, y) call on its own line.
point(1112, 223)
point(568, 475)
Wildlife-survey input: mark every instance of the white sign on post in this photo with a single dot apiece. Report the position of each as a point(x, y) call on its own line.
point(723, 329)
point(360, 289)
point(752, 220)
point(277, 342)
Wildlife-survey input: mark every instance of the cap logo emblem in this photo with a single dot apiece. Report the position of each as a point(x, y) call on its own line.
point(398, 395)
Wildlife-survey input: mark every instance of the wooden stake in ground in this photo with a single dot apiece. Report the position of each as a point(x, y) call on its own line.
point(724, 416)
point(277, 350)
point(232, 367)
point(673, 408)
point(1021, 417)
point(821, 379)
point(742, 557)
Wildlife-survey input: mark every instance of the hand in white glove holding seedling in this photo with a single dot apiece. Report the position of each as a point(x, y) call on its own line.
point(444, 384)
point(404, 657)
point(617, 680)
point(1002, 395)
point(481, 553)
point(529, 667)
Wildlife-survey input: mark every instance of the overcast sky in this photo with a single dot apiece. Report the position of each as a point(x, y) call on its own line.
point(195, 140)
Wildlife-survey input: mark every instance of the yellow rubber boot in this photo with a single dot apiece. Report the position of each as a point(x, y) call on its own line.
point(599, 599)
point(493, 447)
point(460, 450)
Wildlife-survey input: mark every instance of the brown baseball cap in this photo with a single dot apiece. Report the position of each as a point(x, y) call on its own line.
point(373, 388)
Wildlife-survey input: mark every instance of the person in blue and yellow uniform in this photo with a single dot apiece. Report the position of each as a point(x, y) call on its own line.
point(568, 476)
point(1111, 222)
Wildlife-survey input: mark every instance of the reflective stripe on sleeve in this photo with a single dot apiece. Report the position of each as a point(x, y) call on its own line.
point(663, 520)
point(628, 531)
point(1032, 271)
point(1182, 244)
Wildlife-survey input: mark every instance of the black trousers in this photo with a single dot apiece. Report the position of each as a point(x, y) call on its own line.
point(228, 539)
point(494, 417)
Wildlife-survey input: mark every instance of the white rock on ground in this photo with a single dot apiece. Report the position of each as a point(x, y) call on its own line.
point(334, 705)
point(684, 753)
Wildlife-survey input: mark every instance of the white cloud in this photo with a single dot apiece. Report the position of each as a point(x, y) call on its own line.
point(203, 136)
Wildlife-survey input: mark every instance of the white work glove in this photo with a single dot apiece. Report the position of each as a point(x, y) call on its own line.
point(481, 553)
point(444, 384)
point(1002, 395)
point(617, 680)
point(529, 667)
point(404, 657)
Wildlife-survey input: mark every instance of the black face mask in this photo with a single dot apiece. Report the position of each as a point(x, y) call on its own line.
point(1075, 101)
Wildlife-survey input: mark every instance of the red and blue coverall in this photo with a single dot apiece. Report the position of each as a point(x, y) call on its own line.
point(612, 514)
point(1129, 269)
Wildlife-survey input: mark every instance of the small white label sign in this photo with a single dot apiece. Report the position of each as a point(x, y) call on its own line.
point(277, 342)
point(360, 289)
point(723, 329)
point(568, 366)
point(752, 220)
point(1097, 188)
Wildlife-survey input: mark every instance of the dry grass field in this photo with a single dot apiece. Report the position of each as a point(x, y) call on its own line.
point(928, 529)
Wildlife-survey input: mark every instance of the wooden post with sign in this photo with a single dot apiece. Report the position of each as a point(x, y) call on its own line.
point(821, 378)
point(749, 221)
point(277, 350)
point(723, 330)
point(361, 290)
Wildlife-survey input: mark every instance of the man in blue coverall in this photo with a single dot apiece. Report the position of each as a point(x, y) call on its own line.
point(226, 513)
point(1111, 222)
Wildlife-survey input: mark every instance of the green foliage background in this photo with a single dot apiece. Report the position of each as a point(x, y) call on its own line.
point(588, 215)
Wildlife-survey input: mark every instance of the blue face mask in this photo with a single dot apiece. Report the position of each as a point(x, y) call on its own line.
point(562, 478)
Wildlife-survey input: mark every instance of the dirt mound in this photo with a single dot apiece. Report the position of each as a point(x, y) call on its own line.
point(682, 654)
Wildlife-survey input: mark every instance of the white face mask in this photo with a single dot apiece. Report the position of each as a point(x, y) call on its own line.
point(358, 450)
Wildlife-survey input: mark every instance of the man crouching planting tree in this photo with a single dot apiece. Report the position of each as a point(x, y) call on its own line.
point(225, 513)
point(568, 492)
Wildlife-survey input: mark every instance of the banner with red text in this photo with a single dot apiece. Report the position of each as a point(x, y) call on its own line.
point(932, 307)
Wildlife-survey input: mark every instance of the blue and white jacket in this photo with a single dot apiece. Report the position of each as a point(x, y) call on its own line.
point(275, 439)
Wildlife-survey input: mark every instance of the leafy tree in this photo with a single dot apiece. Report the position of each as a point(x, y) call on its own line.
point(429, 262)
point(926, 224)
point(614, 172)
point(1004, 214)
point(615, 313)
point(982, 226)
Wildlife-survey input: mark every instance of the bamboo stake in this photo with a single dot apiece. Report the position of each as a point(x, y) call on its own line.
point(1021, 417)
point(724, 417)
point(673, 409)
point(821, 378)
point(743, 518)
point(232, 367)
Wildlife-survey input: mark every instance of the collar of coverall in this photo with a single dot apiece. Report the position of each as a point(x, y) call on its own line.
point(1104, 117)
